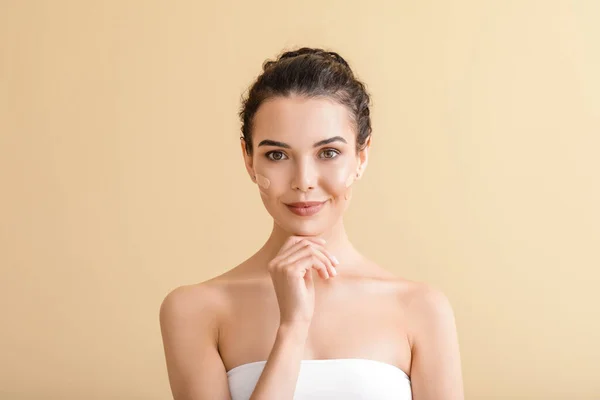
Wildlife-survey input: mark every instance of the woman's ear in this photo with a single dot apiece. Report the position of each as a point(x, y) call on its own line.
point(248, 160)
point(363, 158)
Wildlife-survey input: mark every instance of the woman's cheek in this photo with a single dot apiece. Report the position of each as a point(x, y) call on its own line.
point(340, 183)
point(263, 180)
point(348, 186)
point(349, 180)
point(269, 182)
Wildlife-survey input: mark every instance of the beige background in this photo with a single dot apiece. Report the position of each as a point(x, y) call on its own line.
point(121, 177)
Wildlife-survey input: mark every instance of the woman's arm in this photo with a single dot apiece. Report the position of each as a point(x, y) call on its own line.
point(436, 367)
point(280, 375)
point(189, 332)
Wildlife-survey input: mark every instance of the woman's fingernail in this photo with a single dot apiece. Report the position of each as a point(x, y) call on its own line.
point(335, 260)
point(334, 272)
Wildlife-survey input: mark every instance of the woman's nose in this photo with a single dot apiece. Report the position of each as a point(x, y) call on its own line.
point(305, 176)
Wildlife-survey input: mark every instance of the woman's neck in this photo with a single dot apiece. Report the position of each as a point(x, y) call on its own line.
point(338, 244)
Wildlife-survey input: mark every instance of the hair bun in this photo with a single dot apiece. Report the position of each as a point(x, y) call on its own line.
point(309, 50)
point(338, 58)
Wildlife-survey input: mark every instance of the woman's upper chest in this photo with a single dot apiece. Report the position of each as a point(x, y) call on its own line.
point(351, 320)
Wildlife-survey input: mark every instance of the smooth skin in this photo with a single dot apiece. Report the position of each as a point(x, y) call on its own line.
point(285, 303)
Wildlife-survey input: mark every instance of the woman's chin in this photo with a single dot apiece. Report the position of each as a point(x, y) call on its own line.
point(304, 228)
point(305, 231)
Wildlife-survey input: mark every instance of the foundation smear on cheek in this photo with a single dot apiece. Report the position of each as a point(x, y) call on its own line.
point(349, 183)
point(350, 180)
point(262, 181)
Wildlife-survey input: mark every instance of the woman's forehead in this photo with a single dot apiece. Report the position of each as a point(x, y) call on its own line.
point(300, 119)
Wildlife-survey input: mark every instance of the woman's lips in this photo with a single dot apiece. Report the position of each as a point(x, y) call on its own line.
point(306, 209)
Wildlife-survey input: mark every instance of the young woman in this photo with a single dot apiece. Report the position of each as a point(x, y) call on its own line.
point(307, 316)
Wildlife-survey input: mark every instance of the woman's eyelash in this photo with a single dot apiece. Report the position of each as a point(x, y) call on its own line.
point(283, 156)
point(335, 151)
point(270, 153)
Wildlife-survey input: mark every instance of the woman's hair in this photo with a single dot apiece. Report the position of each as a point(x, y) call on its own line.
point(310, 72)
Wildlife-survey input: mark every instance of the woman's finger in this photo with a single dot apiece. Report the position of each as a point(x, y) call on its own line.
point(311, 261)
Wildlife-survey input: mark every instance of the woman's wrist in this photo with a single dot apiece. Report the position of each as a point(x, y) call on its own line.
point(296, 330)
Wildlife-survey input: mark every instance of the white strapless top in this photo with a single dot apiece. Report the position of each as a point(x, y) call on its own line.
point(347, 379)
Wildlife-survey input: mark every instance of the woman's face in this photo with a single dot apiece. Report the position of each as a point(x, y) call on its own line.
point(304, 150)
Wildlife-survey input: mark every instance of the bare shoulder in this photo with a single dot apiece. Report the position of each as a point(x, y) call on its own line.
point(424, 297)
point(188, 302)
point(430, 326)
point(189, 318)
point(427, 305)
point(433, 339)
point(199, 305)
point(424, 305)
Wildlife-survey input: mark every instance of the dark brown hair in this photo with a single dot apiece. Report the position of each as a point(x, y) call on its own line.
point(310, 72)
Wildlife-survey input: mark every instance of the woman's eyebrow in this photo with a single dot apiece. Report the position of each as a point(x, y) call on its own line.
point(330, 140)
point(268, 142)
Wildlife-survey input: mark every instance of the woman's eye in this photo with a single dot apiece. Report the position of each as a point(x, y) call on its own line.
point(329, 153)
point(275, 155)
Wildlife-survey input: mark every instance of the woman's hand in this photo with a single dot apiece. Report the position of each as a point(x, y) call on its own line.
point(291, 273)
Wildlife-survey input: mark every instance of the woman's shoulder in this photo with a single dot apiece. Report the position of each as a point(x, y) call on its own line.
point(413, 292)
point(427, 307)
point(211, 294)
point(423, 298)
point(420, 296)
point(189, 301)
